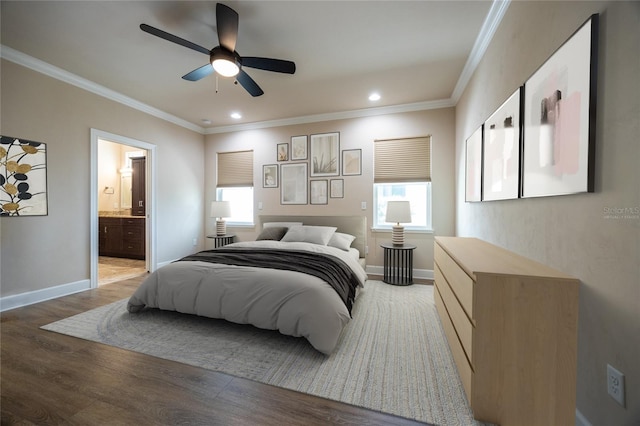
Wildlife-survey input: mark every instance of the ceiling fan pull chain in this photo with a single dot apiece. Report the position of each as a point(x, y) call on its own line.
point(216, 83)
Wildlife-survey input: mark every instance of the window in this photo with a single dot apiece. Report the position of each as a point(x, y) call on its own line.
point(235, 184)
point(419, 195)
point(402, 171)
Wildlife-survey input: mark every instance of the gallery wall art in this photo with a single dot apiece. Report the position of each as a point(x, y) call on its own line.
point(559, 118)
point(23, 177)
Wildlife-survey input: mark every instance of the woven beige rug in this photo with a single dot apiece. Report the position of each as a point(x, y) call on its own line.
point(392, 356)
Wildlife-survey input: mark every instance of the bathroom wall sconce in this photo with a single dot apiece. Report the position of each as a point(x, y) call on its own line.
point(108, 190)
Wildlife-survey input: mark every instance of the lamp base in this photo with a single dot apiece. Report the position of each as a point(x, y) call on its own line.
point(221, 227)
point(397, 236)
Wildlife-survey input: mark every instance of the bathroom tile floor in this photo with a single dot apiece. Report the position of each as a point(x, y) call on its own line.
point(111, 269)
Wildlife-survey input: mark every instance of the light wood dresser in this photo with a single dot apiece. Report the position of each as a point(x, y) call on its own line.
point(511, 325)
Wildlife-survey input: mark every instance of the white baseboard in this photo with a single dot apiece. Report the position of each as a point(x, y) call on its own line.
point(421, 274)
point(31, 297)
point(581, 420)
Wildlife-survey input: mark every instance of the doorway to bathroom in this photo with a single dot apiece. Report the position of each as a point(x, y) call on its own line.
point(122, 216)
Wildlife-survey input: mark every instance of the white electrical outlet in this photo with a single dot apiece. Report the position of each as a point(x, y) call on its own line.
point(363, 206)
point(615, 384)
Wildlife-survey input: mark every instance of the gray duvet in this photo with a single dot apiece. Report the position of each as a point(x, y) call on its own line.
point(295, 303)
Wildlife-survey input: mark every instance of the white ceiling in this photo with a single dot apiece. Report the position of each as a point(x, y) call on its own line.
point(412, 52)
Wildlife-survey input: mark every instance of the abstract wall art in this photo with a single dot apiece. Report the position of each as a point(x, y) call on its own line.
point(23, 177)
point(501, 152)
point(559, 118)
point(473, 176)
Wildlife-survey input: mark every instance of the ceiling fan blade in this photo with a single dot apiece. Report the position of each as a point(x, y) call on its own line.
point(268, 64)
point(248, 83)
point(199, 73)
point(175, 39)
point(227, 23)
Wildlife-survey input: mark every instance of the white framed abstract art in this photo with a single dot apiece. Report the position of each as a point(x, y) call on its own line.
point(560, 117)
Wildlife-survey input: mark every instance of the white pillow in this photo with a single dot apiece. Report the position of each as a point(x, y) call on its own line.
point(309, 234)
point(341, 241)
point(281, 224)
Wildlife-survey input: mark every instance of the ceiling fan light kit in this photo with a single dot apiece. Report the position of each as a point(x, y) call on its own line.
point(224, 62)
point(224, 59)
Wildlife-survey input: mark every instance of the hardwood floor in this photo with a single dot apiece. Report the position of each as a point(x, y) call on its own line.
point(51, 379)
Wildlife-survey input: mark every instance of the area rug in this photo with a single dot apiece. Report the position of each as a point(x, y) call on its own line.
point(391, 357)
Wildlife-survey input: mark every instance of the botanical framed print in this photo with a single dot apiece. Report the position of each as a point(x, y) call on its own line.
point(560, 118)
point(336, 188)
point(501, 151)
point(283, 151)
point(299, 148)
point(270, 176)
point(293, 183)
point(351, 162)
point(319, 191)
point(473, 169)
point(23, 177)
point(325, 152)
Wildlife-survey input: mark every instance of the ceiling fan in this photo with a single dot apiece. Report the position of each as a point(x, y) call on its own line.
point(224, 59)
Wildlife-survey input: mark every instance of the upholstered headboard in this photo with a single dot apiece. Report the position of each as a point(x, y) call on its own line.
point(354, 225)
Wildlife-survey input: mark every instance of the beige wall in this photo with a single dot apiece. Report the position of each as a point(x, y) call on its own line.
point(47, 251)
point(356, 133)
point(572, 233)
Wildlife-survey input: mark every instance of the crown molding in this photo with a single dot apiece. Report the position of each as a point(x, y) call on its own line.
point(366, 112)
point(45, 68)
point(489, 27)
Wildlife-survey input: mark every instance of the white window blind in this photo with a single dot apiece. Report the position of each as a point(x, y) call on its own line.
point(235, 169)
point(402, 160)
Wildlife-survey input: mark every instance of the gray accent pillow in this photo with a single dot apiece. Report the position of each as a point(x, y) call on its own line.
point(341, 241)
point(310, 234)
point(272, 233)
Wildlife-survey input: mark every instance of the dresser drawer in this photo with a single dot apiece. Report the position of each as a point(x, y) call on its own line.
point(461, 323)
point(132, 233)
point(464, 368)
point(461, 283)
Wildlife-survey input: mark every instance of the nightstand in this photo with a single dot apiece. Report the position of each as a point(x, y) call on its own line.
point(398, 264)
point(221, 240)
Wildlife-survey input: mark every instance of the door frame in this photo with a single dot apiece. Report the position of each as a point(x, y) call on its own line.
point(150, 189)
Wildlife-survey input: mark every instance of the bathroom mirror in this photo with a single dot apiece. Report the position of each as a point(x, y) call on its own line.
point(125, 190)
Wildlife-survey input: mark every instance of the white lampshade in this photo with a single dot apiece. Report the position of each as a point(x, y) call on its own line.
point(398, 212)
point(220, 210)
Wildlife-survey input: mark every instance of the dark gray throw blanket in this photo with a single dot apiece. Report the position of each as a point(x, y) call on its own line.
point(326, 267)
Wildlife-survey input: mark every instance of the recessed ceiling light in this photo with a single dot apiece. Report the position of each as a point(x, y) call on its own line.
point(206, 121)
point(236, 115)
point(374, 97)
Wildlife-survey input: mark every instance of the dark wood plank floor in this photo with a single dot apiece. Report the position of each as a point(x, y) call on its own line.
point(51, 379)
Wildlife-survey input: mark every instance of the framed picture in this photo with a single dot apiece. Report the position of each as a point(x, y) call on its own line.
point(560, 118)
point(293, 183)
point(319, 192)
point(336, 187)
point(299, 148)
point(473, 179)
point(23, 177)
point(351, 162)
point(283, 152)
point(501, 151)
point(270, 176)
point(325, 150)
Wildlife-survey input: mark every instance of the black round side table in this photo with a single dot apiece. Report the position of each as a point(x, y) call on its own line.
point(221, 240)
point(398, 264)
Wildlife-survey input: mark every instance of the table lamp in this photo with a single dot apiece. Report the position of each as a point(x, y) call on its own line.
point(220, 210)
point(398, 212)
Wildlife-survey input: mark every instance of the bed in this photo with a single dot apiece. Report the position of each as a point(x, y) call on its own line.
point(301, 277)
